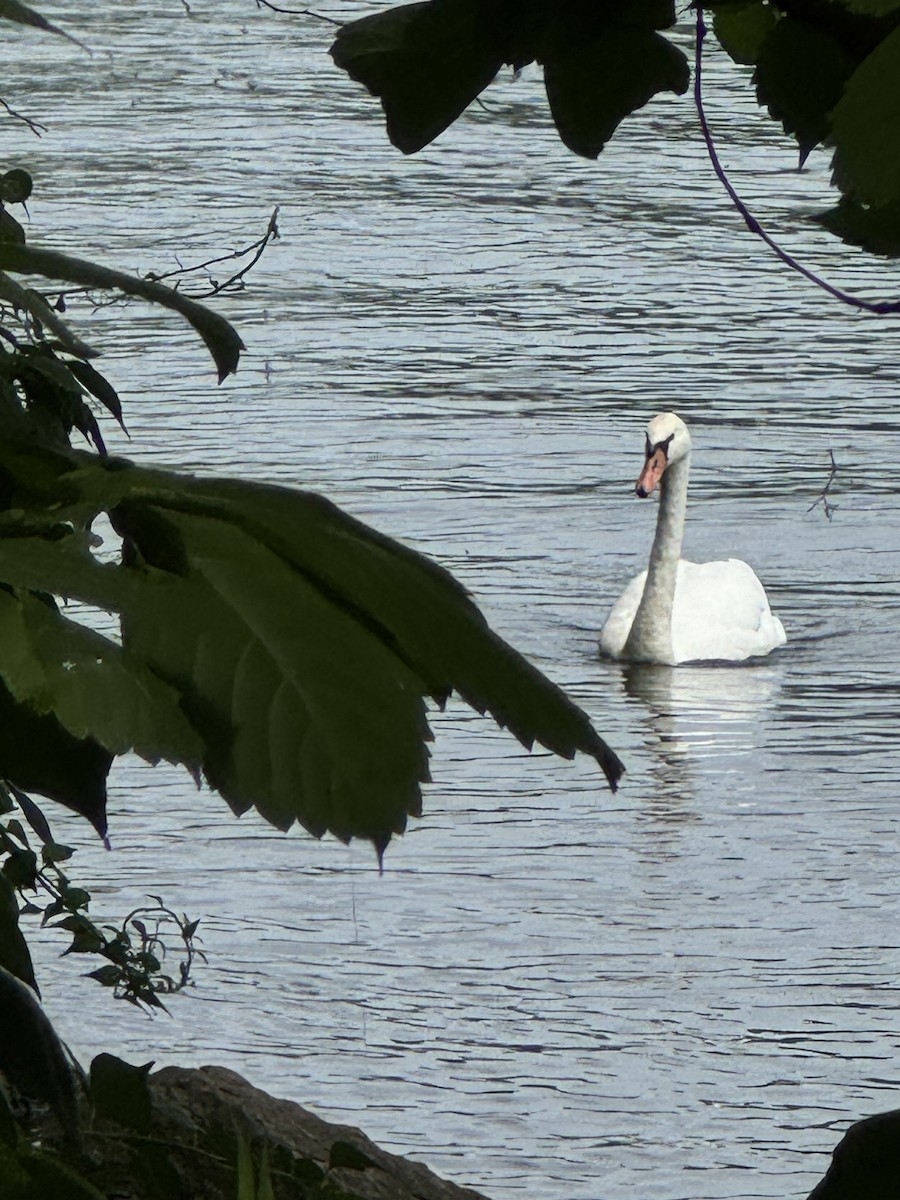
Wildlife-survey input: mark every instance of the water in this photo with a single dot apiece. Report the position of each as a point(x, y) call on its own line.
point(683, 991)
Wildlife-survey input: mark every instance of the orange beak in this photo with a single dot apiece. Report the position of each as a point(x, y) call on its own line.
point(652, 473)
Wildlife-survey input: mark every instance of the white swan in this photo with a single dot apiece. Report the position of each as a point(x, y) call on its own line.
point(679, 611)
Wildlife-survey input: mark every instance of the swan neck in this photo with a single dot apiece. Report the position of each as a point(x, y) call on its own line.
point(650, 639)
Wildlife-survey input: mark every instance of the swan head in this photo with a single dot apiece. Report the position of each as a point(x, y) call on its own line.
point(668, 441)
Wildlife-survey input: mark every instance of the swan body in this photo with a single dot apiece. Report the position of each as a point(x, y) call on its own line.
point(678, 611)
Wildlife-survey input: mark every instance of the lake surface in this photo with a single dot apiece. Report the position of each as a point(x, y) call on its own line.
point(682, 992)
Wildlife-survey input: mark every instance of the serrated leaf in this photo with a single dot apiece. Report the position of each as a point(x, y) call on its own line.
point(593, 85)
point(302, 641)
point(865, 129)
point(219, 337)
point(743, 28)
point(304, 714)
point(90, 685)
point(800, 75)
point(426, 63)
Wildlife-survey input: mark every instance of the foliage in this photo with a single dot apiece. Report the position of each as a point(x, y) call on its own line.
point(827, 70)
point(264, 640)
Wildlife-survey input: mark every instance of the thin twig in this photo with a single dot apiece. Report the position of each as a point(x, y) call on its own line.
point(297, 12)
point(874, 306)
point(255, 248)
point(35, 126)
point(822, 497)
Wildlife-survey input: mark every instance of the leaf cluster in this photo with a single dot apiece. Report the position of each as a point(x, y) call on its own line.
point(827, 70)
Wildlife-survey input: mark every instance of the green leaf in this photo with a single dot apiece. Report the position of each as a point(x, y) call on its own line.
point(303, 643)
point(592, 85)
point(39, 755)
point(800, 75)
point(426, 63)
point(14, 953)
point(865, 129)
point(90, 685)
point(219, 337)
point(743, 28)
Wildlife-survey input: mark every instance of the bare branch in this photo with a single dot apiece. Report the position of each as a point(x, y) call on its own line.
point(35, 126)
point(297, 12)
point(822, 497)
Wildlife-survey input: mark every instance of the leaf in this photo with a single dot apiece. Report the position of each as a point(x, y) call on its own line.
point(743, 28)
point(33, 816)
point(302, 642)
point(120, 1091)
point(876, 230)
point(426, 63)
point(32, 302)
point(303, 714)
point(592, 85)
point(219, 337)
point(800, 74)
point(99, 387)
point(39, 755)
point(14, 954)
point(14, 10)
point(865, 129)
point(92, 687)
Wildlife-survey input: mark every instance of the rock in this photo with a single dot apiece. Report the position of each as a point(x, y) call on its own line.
point(866, 1162)
point(204, 1119)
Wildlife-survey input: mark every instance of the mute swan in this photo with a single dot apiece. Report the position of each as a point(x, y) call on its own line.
point(679, 611)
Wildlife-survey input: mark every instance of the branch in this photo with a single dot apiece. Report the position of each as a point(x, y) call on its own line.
point(298, 12)
point(822, 497)
point(874, 306)
point(237, 279)
point(35, 126)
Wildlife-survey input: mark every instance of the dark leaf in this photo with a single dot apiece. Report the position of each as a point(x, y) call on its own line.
point(220, 338)
point(592, 85)
point(865, 129)
point(800, 75)
point(876, 230)
point(40, 755)
point(426, 63)
point(10, 229)
point(743, 28)
point(33, 815)
point(14, 953)
point(15, 186)
point(99, 387)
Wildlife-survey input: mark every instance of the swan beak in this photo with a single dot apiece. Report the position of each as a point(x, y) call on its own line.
point(652, 473)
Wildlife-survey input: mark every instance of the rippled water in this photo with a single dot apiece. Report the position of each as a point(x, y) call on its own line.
point(683, 991)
